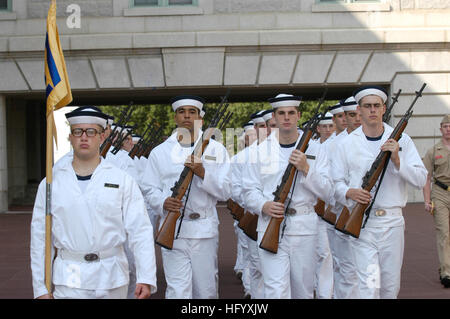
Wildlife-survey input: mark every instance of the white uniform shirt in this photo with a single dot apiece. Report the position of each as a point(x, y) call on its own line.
point(354, 157)
point(165, 164)
point(332, 146)
point(261, 179)
point(123, 161)
point(238, 164)
point(98, 219)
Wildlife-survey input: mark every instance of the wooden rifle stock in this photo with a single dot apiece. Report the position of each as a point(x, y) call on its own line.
point(329, 216)
point(320, 207)
point(105, 148)
point(166, 233)
point(248, 224)
point(342, 220)
point(237, 212)
point(355, 220)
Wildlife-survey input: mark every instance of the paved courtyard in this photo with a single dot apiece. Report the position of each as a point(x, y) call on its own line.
point(419, 275)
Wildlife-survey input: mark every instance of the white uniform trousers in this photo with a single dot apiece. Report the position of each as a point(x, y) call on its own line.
point(324, 270)
point(379, 258)
point(132, 271)
point(345, 276)
point(256, 277)
point(242, 258)
point(191, 268)
point(331, 233)
point(290, 272)
point(64, 292)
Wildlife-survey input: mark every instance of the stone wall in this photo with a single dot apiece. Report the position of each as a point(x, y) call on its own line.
point(3, 158)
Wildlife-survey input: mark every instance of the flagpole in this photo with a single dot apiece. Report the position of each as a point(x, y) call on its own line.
point(58, 95)
point(48, 201)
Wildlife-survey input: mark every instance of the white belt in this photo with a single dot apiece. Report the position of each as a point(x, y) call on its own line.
point(299, 210)
point(197, 214)
point(91, 256)
point(380, 212)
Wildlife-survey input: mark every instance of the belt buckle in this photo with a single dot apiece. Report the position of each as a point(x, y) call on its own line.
point(194, 216)
point(290, 211)
point(380, 212)
point(91, 257)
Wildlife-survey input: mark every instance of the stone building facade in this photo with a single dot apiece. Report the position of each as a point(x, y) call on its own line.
point(117, 50)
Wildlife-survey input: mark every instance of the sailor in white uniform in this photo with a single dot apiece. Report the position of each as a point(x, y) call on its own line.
point(190, 268)
point(345, 276)
point(290, 272)
point(324, 269)
point(379, 248)
point(95, 207)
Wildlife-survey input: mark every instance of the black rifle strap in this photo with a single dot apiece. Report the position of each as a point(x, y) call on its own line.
point(184, 208)
point(367, 212)
point(289, 202)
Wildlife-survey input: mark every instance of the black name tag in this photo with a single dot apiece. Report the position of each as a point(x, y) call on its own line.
point(311, 157)
point(111, 185)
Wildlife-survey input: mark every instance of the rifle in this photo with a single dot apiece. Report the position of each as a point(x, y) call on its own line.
point(166, 234)
point(248, 224)
point(121, 138)
point(138, 145)
point(236, 210)
point(271, 236)
point(353, 225)
point(104, 148)
point(115, 135)
point(387, 114)
point(329, 216)
point(320, 207)
point(153, 141)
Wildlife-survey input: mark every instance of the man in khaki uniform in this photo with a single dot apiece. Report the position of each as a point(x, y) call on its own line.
point(437, 162)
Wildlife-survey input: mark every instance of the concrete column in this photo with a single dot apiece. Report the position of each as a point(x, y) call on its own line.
point(17, 152)
point(3, 158)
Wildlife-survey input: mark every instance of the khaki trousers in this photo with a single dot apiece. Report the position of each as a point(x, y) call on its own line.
point(441, 200)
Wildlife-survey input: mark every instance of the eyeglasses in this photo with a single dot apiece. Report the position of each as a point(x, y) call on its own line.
point(90, 132)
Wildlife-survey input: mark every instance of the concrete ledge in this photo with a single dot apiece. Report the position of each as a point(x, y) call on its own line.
point(350, 7)
point(164, 39)
point(8, 15)
point(289, 37)
point(101, 41)
point(227, 38)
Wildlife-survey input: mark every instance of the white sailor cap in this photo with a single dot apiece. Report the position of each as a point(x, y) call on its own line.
point(335, 109)
point(349, 104)
point(370, 90)
point(87, 115)
point(184, 100)
point(136, 138)
point(248, 126)
point(257, 117)
point(110, 120)
point(327, 119)
point(267, 114)
point(285, 100)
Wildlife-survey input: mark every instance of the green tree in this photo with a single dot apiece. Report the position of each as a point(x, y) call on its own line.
point(163, 114)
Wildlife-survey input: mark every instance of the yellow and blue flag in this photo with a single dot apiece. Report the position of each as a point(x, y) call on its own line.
point(57, 84)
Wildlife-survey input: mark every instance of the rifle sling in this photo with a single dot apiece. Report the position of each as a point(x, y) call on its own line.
point(367, 212)
point(289, 203)
point(184, 208)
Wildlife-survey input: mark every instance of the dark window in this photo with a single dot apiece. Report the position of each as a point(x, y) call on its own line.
point(164, 3)
point(3, 4)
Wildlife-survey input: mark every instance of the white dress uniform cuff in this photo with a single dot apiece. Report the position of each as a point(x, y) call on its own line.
point(40, 291)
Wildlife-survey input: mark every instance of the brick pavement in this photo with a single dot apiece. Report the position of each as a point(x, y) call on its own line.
point(419, 273)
